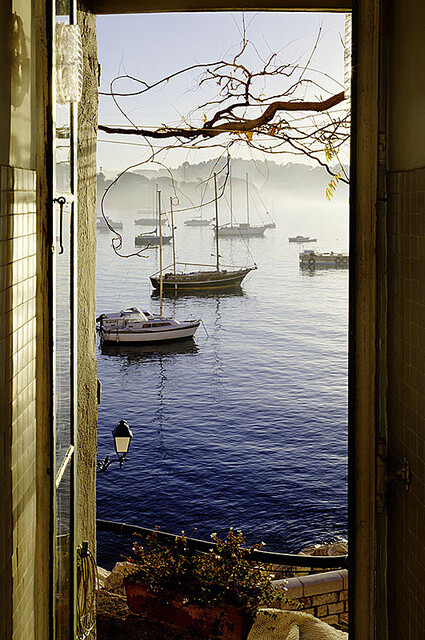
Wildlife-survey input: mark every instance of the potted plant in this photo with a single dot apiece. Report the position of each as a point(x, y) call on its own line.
point(214, 594)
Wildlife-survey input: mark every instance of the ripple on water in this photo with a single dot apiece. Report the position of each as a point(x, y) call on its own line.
point(246, 427)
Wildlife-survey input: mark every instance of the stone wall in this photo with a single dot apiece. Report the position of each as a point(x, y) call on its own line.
point(324, 595)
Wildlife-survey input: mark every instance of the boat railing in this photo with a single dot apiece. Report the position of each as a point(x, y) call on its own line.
point(290, 563)
point(196, 264)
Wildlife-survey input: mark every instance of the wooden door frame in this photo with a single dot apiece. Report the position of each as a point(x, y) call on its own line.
point(366, 620)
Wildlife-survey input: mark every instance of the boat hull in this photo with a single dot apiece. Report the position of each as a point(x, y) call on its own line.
point(150, 336)
point(198, 223)
point(336, 260)
point(235, 232)
point(150, 241)
point(207, 281)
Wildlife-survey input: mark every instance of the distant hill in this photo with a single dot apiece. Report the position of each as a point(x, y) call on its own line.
point(271, 181)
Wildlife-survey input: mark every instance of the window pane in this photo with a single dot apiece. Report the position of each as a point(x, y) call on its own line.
point(63, 557)
point(63, 336)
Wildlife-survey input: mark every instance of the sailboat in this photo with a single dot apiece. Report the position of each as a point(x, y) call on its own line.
point(198, 222)
point(147, 215)
point(241, 229)
point(153, 238)
point(135, 325)
point(200, 280)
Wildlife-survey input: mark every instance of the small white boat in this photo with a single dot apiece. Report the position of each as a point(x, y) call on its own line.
point(101, 223)
point(197, 222)
point(135, 325)
point(302, 239)
point(241, 229)
point(314, 259)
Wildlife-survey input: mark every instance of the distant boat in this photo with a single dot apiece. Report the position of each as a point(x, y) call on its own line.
point(153, 238)
point(302, 239)
point(242, 229)
point(314, 259)
point(102, 226)
point(200, 280)
point(198, 222)
point(135, 325)
point(272, 223)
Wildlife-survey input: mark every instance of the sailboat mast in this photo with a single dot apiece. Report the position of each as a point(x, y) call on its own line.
point(172, 233)
point(231, 195)
point(247, 199)
point(216, 223)
point(160, 254)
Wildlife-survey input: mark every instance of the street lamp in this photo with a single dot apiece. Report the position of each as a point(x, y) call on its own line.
point(122, 435)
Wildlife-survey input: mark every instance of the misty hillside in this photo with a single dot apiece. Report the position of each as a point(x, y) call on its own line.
point(270, 184)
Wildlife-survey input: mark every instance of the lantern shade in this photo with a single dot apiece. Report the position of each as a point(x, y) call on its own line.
point(122, 437)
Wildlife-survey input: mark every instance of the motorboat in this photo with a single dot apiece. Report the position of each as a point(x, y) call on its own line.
point(103, 226)
point(314, 259)
point(141, 326)
point(302, 239)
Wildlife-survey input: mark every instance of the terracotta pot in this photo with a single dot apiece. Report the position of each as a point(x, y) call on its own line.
point(221, 622)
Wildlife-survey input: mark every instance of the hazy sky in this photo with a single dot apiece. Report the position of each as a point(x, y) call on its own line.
point(151, 46)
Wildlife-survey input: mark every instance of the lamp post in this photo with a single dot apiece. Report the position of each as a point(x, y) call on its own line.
point(122, 435)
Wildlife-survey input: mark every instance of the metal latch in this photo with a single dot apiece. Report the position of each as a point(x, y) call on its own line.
point(403, 475)
point(61, 202)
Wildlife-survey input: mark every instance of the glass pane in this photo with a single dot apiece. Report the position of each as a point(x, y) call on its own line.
point(63, 557)
point(63, 8)
point(63, 148)
point(63, 336)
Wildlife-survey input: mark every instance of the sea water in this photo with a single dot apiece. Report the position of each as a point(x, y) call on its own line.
point(246, 425)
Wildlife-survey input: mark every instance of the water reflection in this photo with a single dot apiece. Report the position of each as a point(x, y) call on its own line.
point(139, 353)
point(311, 269)
point(230, 292)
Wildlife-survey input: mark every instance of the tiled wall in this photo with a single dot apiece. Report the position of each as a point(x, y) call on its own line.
point(406, 401)
point(17, 400)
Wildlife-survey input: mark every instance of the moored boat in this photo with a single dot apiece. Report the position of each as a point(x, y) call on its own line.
point(135, 325)
point(314, 259)
point(302, 239)
point(201, 280)
point(241, 229)
point(197, 222)
point(151, 239)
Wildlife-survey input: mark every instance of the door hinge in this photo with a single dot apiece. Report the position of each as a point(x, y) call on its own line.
point(384, 476)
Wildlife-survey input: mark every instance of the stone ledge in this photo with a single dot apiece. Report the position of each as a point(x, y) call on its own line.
point(322, 594)
point(316, 584)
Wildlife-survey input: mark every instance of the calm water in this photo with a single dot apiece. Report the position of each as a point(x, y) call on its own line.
point(245, 427)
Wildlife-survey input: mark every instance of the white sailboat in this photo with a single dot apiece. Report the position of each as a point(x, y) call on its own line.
point(153, 238)
point(241, 229)
point(135, 325)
